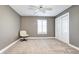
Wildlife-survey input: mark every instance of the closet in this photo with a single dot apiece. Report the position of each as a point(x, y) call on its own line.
point(62, 28)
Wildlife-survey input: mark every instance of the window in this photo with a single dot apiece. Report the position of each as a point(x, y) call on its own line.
point(42, 26)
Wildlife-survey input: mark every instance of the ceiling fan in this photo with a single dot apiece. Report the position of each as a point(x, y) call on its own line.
point(40, 8)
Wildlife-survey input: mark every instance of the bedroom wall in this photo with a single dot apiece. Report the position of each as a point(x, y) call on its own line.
point(73, 24)
point(9, 26)
point(29, 23)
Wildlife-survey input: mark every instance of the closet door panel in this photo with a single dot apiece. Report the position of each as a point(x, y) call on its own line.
point(56, 28)
point(62, 28)
point(65, 28)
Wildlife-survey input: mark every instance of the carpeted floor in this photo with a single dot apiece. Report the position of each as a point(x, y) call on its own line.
point(41, 46)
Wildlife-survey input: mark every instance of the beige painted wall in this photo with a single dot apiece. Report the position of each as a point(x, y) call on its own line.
point(29, 23)
point(9, 26)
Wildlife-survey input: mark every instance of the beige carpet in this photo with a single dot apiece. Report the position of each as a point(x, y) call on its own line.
point(41, 46)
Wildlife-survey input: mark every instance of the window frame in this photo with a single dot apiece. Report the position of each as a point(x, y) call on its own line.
point(42, 31)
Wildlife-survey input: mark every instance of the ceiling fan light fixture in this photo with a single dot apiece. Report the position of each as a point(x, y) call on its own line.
point(41, 9)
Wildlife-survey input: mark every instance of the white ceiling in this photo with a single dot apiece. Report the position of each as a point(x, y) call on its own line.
point(24, 10)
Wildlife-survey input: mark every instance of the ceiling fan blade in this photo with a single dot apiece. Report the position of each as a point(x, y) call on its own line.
point(47, 9)
point(33, 7)
point(42, 10)
point(36, 11)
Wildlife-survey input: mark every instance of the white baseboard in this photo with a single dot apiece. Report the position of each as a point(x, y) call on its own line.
point(40, 37)
point(77, 48)
point(4, 49)
point(61, 40)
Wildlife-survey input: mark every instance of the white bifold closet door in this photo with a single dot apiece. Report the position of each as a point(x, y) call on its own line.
point(62, 28)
